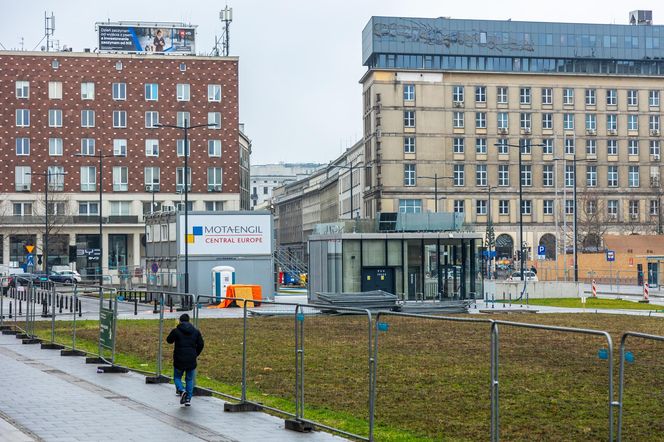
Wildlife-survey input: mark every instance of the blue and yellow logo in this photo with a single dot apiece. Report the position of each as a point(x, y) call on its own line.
point(196, 231)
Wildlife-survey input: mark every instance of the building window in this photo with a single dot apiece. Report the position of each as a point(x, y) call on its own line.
point(654, 207)
point(547, 121)
point(611, 122)
point(120, 119)
point(526, 146)
point(214, 93)
point(22, 118)
point(152, 177)
point(457, 120)
point(632, 97)
point(56, 179)
point(503, 207)
point(547, 175)
point(569, 207)
point(570, 148)
point(409, 178)
point(457, 94)
point(612, 209)
point(480, 175)
point(410, 206)
point(501, 95)
point(119, 91)
point(612, 147)
point(569, 176)
point(480, 145)
point(120, 179)
point(503, 120)
point(23, 146)
point(182, 92)
point(480, 94)
point(459, 206)
point(55, 118)
point(633, 176)
point(632, 122)
point(654, 148)
point(591, 176)
point(524, 95)
point(547, 95)
point(214, 148)
point(214, 206)
point(591, 97)
point(151, 148)
point(409, 118)
point(591, 122)
point(151, 119)
point(525, 121)
point(55, 147)
point(180, 148)
point(214, 118)
point(612, 176)
point(88, 178)
point(611, 97)
point(503, 175)
point(591, 147)
point(87, 118)
point(632, 146)
point(458, 177)
point(633, 209)
point(151, 92)
point(214, 179)
point(503, 146)
point(568, 121)
point(547, 146)
point(526, 175)
point(179, 179)
point(591, 207)
point(409, 144)
point(653, 123)
point(480, 120)
point(120, 147)
point(22, 178)
point(527, 207)
point(653, 98)
point(568, 96)
point(87, 146)
point(87, 91)
point(182, 119)
point(120, 208)
point(88, 208)
point(547, 207)
point(54, 90)
point(408, 92)
point(458, 145)
point(22, 209)
point(480, 207)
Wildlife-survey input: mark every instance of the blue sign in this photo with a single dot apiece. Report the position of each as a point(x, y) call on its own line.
point(30, 260)
point(541, 250)
point(489, 253)
point(610, 255)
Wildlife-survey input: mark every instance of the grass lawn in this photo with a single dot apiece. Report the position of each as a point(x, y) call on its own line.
point(433, 376)
point(595, 303)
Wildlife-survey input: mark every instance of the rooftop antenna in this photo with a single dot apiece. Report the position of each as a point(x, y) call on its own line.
point(49, 29)
point(226, 17)
point(22, 44)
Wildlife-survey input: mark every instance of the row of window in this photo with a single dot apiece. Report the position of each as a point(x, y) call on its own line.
point(526, 121)
point(88, 178)
point(481, 207)
point(88, 117)
point(546, 95)
point(546, 146)
point(548, 175)
point(117, 208)
point(119, 91)
point(88, 147)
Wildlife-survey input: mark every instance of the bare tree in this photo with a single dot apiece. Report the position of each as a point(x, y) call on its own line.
point(593, 220)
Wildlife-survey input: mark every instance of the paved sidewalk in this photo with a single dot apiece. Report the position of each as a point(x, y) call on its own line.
point(53, 398)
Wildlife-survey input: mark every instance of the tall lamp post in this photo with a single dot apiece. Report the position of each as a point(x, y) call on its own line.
point(489, 225)
point(435, 179)
point(47, 178)
point(185, 128)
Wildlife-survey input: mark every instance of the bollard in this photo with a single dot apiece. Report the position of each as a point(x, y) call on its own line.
point(155, 307)
point(20, 306)
point(493, 300)
point(60, 305)
point(510, 299)
point(503, 299)
point(110, 304)
point(80, 313)
point(170, 303)
point(135, 306)
point(10, 310)
point(71, 304)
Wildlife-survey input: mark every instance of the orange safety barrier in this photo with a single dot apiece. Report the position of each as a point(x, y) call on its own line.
point(241, 291)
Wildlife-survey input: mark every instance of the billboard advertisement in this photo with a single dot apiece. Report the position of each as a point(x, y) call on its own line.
point(227, 234)
point(165, 38)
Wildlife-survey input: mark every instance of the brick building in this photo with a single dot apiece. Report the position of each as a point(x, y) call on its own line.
point(61, 110)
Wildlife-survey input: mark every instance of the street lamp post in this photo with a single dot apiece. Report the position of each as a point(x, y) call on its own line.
point(185, 128)
point(576, 257)
point(435, 179)
point(490, 227)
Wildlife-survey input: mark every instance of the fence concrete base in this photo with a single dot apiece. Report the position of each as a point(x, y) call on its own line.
point(298, 425)
point(94, 360)
point(72, 353)
point(241, 407)
point(50, 346)
point(502, 290)
point(111, 369)
point(161, 379)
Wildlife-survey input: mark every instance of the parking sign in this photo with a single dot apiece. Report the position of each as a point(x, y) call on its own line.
point(541, 250)
point(610, 255)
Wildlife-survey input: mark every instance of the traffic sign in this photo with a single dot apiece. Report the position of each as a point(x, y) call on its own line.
point(541, 250)
point(29, 248)
point(154, 267)
point(30, 260)
point(610, 255)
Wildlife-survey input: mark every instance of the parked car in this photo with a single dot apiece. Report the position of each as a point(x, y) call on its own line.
point(65, 276)
point(23, 279)
point(528, 274)
point(8, 279)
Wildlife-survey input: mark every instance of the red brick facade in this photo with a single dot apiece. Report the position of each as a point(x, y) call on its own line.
point(136, 71)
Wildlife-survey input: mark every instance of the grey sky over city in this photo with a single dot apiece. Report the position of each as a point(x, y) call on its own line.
point(300, 60)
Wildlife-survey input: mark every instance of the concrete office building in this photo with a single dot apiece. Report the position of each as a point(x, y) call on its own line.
point(62, 109)
point(450, 97)
point(266, 177)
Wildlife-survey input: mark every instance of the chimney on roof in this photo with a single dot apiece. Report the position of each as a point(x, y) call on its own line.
point(640, 17)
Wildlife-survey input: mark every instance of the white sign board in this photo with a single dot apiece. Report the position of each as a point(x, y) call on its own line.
point(227, 234)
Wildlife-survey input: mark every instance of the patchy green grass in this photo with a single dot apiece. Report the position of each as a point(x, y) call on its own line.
point(595, 303)
point(433, 375)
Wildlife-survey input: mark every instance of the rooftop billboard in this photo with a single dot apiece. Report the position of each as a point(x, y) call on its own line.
point(147, 38)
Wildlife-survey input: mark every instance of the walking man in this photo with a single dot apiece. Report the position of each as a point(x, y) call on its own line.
point(188, 345)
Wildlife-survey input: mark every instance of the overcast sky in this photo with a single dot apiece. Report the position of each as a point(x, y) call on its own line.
point(300, 60)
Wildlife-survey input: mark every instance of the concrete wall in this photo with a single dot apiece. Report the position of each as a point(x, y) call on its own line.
point(534, 289)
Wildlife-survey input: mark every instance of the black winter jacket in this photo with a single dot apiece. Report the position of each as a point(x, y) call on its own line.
point(188, 345)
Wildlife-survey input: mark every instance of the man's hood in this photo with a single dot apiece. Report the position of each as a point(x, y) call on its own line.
point(186, 328)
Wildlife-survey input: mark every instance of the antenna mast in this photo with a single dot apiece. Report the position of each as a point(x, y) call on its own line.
point(226, 17)
point(49, 29)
